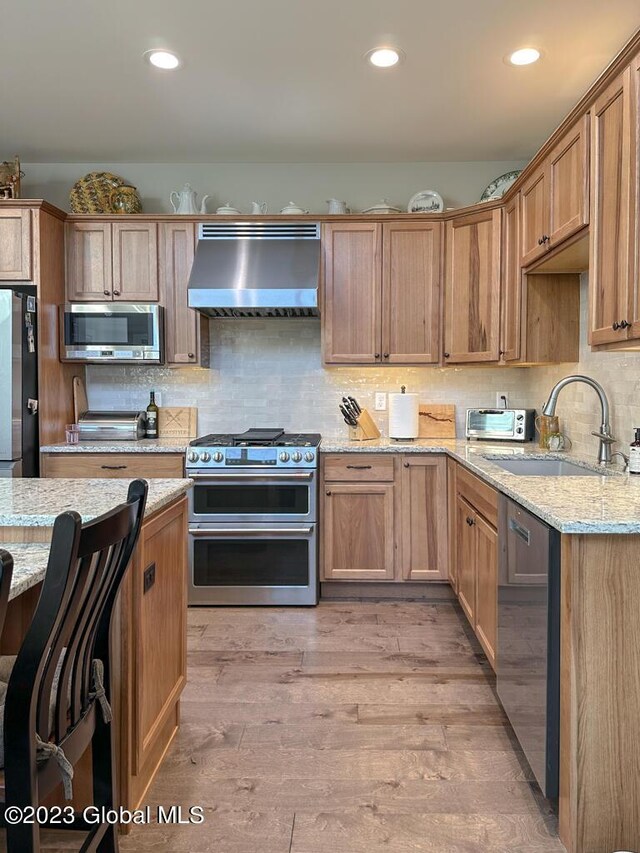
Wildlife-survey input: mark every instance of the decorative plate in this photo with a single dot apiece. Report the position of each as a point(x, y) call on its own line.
point(91, 194)
point(426, 201)
point(498, 188)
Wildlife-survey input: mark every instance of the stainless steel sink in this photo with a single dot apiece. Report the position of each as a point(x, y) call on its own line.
point(546, 468)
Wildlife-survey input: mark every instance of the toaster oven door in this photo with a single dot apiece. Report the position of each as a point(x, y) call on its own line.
point(491, 423)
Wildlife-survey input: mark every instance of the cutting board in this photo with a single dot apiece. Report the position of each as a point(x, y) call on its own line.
point(80, 405)
point(177, 422)
point(436, 420)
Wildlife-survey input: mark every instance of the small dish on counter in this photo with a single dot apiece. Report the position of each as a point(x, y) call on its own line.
point(382, 206)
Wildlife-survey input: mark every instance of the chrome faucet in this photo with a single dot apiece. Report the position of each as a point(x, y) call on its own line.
point(606, 439)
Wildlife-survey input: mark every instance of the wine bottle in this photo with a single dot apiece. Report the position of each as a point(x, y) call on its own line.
point(152, 416)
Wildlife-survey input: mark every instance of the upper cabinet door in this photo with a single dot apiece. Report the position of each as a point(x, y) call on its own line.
point(15, 245)
point(182, 324)
point(510, 323)
point(352, 293)
point(633, 332)
point(411, 292)
point(472, 288)
point(135, 261)
point(89, 264)
point(535, 216)
point(612, 212)
point(569, 183)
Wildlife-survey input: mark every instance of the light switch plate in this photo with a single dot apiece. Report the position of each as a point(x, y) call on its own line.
point(381, 401)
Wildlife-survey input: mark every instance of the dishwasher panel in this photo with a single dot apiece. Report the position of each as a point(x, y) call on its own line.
point(528, 656)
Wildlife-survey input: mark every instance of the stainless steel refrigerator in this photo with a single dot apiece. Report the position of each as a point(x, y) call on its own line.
point(18, 382)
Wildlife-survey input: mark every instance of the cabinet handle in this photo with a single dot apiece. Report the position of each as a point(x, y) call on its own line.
point(113, 467)
point(446, 355)
point(359, 467)
point(624, 324)
point(501, 352)
point(544, 239)
point(328, 494)
point(386, 355)
point(116, 293)
point(376, 355)
point(191, 355)
point(406, 464)
point(470, 521)
point(107, 292)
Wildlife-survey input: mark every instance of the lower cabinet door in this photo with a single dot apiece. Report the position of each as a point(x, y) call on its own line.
point(358, 522)
point(466, 557)
point(423, 525)
point(486, 624)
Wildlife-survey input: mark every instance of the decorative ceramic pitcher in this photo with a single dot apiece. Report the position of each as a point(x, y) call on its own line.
point(186, 201)
point(258, 207)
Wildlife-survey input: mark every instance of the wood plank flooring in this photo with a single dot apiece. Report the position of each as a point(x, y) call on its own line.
point(345, 728)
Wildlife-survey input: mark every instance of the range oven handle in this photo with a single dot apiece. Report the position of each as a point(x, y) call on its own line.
point(248, 531)
point(214, 475)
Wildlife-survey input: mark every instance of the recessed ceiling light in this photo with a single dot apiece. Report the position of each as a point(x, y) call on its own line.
point(164, 59)
point(524, 56)
point(384, 57)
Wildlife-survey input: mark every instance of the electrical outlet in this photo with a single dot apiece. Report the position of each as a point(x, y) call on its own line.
point(381, 401)
point(148, 578)
point(502, 399)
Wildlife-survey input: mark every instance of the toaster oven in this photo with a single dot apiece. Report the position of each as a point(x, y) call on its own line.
point(500, 424)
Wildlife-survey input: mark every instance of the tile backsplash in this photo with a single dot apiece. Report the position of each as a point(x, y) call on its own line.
point(270, 373)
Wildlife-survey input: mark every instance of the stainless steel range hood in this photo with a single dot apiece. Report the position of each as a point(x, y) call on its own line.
point(256, 269)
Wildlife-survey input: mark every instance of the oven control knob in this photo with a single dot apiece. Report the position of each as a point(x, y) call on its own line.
point(309, 456)
point(193, 456)
point(205, 456)
point(520, 418)
point(519, 430)
point(284, 456)
point(217, 456)
point(297, 456)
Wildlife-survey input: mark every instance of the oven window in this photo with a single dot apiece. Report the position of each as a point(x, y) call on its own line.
point(130, 328)
point(251, 499)
point(255, 562)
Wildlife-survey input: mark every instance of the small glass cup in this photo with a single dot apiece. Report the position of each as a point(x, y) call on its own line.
point(72, 433)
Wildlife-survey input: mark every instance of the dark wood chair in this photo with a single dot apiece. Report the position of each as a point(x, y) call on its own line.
point(57, 700)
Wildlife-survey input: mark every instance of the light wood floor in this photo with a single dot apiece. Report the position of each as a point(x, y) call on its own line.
point(349, 728)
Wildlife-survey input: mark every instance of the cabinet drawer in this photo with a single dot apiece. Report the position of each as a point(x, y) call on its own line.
point(482, 497)
point(112, 465)
point(359, 467)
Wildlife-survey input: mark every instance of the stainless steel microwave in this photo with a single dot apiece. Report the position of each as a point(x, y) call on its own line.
point(115, 332)
point(501, 424)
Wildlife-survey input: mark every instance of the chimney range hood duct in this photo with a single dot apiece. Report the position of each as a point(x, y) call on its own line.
point(256, 269)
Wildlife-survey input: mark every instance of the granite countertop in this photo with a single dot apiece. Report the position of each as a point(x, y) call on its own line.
point(143, 445)
point(606, 504)
point(36, 502)
point(29, 565)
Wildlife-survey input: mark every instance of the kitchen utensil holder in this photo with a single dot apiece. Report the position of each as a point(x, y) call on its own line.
point(366, 429)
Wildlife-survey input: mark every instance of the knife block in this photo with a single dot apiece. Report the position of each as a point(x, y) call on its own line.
point(366, 429)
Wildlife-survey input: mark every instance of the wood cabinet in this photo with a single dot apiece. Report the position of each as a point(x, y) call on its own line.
point(555, 198)
point(358, 531)
point(423, 518)
point(15, 245)
point(112, 465)
point(451, 524)
point(472, 288)
point(511, 282)
point(611, 238)
point(186, 330)
point(476, 510)
point(384, 517)
point(112, 261)
point(381, 292)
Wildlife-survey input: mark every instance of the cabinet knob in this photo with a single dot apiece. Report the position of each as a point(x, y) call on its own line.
point(328, 494)
point(624, 324)
point(386, 355)
point(470, 521)
point(116, 293)
point(446, 355)
point(544, 239)
point(107, 292)
point(406, 464)
point(377, 355)
point(501, 353)
point(615, 326)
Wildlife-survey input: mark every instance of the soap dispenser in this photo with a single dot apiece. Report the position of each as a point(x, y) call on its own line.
point(634, 454)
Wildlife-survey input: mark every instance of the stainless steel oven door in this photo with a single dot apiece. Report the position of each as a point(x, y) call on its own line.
point(253, 564)
point(253, 495)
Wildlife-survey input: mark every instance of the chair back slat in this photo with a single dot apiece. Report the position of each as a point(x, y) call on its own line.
point(70, 627)
point(6, 573)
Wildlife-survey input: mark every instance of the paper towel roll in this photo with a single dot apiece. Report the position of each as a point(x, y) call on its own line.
point(403, 416)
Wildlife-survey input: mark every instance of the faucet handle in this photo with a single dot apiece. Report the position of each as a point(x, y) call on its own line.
point(604, 437)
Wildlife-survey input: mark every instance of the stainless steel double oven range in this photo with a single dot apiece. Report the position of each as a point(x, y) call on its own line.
point(252, 518)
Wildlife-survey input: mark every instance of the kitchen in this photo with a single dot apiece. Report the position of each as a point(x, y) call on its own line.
point(384, 605)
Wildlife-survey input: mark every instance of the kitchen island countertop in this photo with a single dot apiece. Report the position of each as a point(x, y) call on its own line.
point(606, 504)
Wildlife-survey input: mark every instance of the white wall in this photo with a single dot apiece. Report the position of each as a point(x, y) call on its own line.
point(308, 184)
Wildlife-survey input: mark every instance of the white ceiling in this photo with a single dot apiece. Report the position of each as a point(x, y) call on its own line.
point(284, 80)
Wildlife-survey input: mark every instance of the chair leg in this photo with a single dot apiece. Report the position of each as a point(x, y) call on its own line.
point(23, 838)
point(109, 841)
